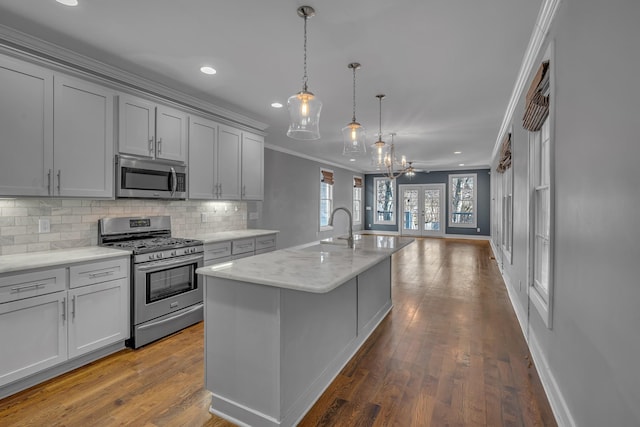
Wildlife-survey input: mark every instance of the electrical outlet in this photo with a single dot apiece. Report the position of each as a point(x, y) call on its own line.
point(254, 215)
point(203, 217)
point(478, 229)
point(44, 226)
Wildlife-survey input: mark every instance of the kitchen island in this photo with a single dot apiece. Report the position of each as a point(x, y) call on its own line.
point(280, 326)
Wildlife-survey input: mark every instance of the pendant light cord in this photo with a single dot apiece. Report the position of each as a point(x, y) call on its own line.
point(354, 94)
point(304, 78)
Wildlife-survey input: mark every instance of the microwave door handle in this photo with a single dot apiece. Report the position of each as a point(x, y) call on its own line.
point(174, 181)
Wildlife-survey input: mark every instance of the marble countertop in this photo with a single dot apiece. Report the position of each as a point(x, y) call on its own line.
point(317, 267)
point(223, 236)
point(61, 257)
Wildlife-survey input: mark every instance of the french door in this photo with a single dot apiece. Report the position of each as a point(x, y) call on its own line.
point(422, 210)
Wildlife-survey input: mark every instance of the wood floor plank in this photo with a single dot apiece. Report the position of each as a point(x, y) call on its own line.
point(450, 353)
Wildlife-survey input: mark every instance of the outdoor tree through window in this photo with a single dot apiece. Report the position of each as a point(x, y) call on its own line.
point(462, 200)
point(385, 201)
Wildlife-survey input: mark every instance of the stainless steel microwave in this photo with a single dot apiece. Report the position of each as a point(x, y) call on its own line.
point(150, 179)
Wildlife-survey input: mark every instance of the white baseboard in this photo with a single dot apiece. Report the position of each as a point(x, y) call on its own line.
point(554, 395)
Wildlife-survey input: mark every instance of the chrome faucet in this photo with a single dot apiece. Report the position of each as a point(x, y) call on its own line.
point(350, 238)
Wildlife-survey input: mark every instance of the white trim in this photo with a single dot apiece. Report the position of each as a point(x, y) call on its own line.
point(27, 47)
point(320, 226)
point(554, 395)
point(394, 196)
point(453, 176)
point(536, 41)
point(307, 157)
point(360, 219)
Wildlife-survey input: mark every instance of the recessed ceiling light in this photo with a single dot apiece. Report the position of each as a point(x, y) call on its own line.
point(208, 70)
point(457, 152)
point(276, 105)
point(352, 160)
point(461, 164)
point(68, 2)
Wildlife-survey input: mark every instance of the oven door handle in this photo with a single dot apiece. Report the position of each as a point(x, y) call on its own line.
point(169, 319)
point(163, 265)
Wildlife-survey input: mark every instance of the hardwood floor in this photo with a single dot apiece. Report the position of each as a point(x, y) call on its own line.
point(450, 353)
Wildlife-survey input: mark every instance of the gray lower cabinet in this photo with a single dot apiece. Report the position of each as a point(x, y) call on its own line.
point(49, 317)
point(219, 252)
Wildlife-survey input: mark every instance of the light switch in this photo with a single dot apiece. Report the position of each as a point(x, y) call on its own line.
point(44, 226)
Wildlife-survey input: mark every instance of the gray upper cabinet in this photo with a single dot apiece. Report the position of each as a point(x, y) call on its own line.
point(73, 160)
point(252, 166)
point(83, 138)
point(224, 162)
point(228, 162)
point(151, 130)
point(203, 148)
point(26, 128)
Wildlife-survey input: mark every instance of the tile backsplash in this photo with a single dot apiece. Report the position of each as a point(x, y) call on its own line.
point(74, 222)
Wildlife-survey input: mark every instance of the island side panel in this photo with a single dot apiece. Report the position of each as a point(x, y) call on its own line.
point(242, 350)
point(318, 338)
point(374, 296)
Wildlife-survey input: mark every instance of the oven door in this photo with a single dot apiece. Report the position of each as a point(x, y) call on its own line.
point(164, 286)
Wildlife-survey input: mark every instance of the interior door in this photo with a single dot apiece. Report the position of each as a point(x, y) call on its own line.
point(422, 210)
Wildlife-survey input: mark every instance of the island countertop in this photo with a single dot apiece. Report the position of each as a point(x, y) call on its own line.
point(317, 267)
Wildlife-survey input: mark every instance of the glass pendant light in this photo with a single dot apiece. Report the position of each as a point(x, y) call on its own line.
point(304, 107)
point(353, 134)
point(378, 146)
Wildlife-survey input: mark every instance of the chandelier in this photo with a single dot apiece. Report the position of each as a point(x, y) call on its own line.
point(353, 134)
point(304, 107)
point(386, 160)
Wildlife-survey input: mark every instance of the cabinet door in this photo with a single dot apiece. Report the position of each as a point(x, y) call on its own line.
point(228, 161)
point(171, 134)
point(83, 138)
point(26, 128)
point(33, 333)
point(252, 166)
point(98, 316)
point(136, 126)
point(203, 136)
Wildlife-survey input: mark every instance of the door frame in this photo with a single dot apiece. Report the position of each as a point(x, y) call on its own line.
point(421, 188)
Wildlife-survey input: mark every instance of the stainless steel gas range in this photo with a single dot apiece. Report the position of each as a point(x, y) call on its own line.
point(166, 295)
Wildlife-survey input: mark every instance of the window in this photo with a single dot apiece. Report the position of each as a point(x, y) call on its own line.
point(462, 200)
point(507, 213)
point(541, 280)
point(385, 201)
point(326, 198)
point(357, 200)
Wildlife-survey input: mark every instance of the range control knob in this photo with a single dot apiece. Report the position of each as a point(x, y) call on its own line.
point(193, 250)
point(159, 255)
point(174, 253)
point(151, 256)
point(186, 251)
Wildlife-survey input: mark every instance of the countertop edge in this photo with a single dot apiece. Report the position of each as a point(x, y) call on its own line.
point(59, 257)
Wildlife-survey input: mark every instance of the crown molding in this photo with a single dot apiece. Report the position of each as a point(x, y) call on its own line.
point(25, 46)
point(536, 42)
point(314, 159)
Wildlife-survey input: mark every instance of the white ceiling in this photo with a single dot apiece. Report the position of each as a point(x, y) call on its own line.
point(447, 66)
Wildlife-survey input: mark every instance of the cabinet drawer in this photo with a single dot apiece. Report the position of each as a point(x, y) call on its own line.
point(265, 242)
point(98, 272)
point(216, 250)
point(31, 284)
point(243, 246)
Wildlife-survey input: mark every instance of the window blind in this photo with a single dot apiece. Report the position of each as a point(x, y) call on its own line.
point(327, 177)
point(505, 154)
point(537, 108)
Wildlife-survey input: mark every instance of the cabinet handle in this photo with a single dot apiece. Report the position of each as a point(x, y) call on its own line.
point(150, 145)
point(23, 288)
point(59, 173)
point(219, 190)
point(244, 190)
point(64, 309)
point(49, 182)
point(73, 307)
point(102, 274)
point(159, 145)
point(220, 251)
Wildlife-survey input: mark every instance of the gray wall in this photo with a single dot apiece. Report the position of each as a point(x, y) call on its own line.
point(291, 198)
point(592, 350)
point(437, 177)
